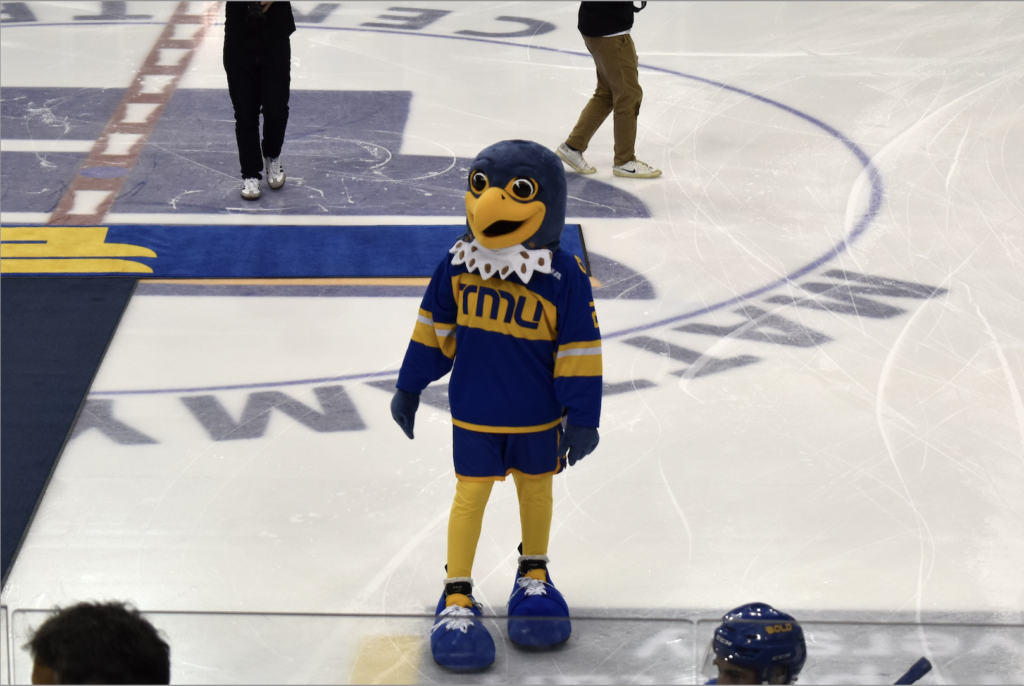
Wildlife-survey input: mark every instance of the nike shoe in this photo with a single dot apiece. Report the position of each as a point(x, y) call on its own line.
point(636, 169)
point(574, 159)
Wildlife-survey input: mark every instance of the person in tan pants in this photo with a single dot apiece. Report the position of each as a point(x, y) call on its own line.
point(605, 27)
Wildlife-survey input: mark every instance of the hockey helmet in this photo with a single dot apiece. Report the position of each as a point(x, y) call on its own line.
point(758, 637)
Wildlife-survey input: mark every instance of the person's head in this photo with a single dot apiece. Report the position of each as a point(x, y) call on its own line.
point(99, 643)
point(756, 644)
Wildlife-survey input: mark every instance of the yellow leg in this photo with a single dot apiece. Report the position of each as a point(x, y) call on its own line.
point(464, 524)
point(536, 504)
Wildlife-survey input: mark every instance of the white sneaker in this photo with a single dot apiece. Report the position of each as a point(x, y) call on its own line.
point(275, 172)
point(251, 189)
point(636, 169)
point(574, 159)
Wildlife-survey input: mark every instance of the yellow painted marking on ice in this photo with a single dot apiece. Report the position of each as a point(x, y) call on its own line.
point(413, 281)
point(387, 660)
point(72, 267)
point(64, 241)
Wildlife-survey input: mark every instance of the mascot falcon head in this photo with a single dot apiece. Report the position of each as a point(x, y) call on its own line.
point(516, 196)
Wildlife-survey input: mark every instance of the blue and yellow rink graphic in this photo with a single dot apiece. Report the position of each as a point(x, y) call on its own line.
point(236, 251)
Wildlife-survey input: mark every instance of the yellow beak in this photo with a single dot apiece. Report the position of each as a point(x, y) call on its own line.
point(498, 221)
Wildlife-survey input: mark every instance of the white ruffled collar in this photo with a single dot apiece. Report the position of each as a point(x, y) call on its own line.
point(503, 262)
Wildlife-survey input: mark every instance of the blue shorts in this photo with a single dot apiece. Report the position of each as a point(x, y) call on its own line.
point(483, 456)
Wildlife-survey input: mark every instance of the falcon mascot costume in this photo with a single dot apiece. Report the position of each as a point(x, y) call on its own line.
point(512, 317)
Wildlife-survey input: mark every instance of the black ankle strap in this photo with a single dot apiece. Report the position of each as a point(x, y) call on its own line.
point(528, 565)
point(463, 587)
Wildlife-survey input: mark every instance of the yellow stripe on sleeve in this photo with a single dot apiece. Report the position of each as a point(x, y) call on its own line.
point(579, 345)
point(445, 334)
point(434, 334)
point(424, 330)
point(579, 359)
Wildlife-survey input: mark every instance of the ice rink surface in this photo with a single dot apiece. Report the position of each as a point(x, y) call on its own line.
point(813, 387)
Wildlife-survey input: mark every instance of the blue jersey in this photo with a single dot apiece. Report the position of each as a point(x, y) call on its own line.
point(518, 353)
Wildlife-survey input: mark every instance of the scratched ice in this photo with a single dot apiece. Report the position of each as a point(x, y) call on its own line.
point(813, 344)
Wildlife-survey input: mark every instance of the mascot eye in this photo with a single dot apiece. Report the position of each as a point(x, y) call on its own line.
point(523, 189)
point(478, 181)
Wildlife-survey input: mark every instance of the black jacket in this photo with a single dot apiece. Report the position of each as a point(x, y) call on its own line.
point(605, 18)
point(278, 24)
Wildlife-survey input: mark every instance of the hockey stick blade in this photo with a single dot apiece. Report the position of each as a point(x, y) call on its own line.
point(917, 670)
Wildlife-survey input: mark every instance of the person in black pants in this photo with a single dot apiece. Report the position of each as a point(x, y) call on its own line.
point(257, 59)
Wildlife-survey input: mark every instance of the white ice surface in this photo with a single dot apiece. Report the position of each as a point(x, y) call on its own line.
point(879, 472)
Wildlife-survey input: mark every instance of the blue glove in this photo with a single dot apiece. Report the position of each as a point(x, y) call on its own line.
point(403, 409)
point(578, 441)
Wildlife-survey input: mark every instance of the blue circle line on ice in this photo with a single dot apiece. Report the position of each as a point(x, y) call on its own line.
point(861, 225)
point(874, 202)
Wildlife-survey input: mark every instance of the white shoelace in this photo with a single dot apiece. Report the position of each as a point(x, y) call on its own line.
point(532, 586)
point(458, 619)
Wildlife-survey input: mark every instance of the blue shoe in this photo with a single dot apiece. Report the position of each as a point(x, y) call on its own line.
point(533, 598)
point(458, 639)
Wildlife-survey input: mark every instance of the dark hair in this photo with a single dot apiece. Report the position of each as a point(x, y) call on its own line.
point(102, 643)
